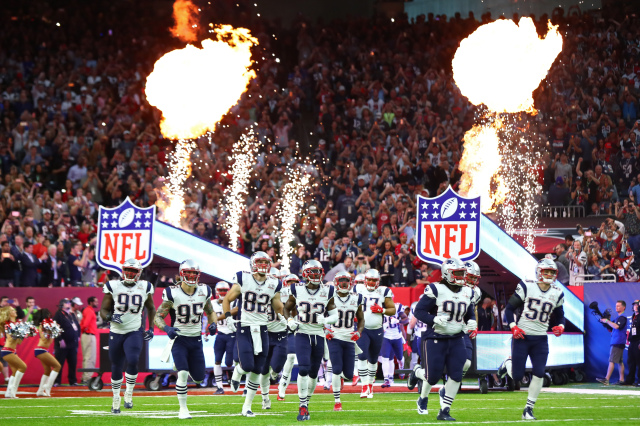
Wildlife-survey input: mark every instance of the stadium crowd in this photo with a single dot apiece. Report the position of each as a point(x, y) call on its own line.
point(385, 117)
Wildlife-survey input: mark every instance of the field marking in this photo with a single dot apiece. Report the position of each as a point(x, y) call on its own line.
point(592, 391)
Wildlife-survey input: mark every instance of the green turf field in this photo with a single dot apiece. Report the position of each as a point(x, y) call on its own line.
point(383, 409)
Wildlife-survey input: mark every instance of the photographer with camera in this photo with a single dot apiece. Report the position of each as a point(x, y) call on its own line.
point(617, 325)
point(577, 261)
point(633, 358)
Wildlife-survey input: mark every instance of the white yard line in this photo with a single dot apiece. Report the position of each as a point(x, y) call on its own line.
point(616, 392)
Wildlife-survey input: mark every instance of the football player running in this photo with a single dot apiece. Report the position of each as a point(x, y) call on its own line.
point(447, 310)
point(538, 300)
point(311, 301)
point(343, 334)
point(472, 280)
point(225, 339)
point(359, 279)
point(186, 303)
point(415, 330)
point(378, 302)
point(288, 282)
point(392, 344)
point(259, 291)
point(122, 306)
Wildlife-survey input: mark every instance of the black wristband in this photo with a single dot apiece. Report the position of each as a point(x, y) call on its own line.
point(227, 314)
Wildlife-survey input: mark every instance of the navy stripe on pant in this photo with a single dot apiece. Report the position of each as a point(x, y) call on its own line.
point(309, 351)
point(277, 355)
point(224, 345)
point(125, 348)
point(534, 347)
point(250, 362)
point(469, 346)
point(188, 355)
point(391, 349)
point(370, 343)
point(439, 353)
point(342, 355)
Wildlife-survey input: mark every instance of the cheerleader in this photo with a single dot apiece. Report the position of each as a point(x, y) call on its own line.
point(9, 315)
point(48, 330)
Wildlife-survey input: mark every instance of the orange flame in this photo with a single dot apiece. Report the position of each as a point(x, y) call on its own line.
point(185, 14)
point(501, 64)
point(194, 87)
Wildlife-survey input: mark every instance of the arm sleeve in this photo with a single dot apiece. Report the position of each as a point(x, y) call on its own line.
point(558, 313)
point(514, 303)
point(470, 314)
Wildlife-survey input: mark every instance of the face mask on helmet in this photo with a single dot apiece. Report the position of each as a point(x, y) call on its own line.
point(343, 284)
point(457, 277)
point(190, 277)
point(371, 283)
point(472, 280)
point(548, 276)
point(314, 275)
point(222, 291)
point(261, 266)
point(131, 275)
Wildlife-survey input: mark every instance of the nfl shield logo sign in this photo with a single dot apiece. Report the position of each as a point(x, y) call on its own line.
point(448, 226)
point(125, 232)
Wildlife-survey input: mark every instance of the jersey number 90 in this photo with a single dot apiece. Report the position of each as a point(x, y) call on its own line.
point(456, 312)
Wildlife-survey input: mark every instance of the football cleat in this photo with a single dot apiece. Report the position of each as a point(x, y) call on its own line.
point(280, 398)
point(115, 405)
point(370, 394)
point(219, 391)
point(444, 415)
point(365, 391)
point(128, 400)
point(412, 380)
point(266, 404)
point(356, 379)
point(502, 371)
point(248, 413)
point(326, 386)
point(422, 405)
point(338, 406)
point(386, 384)
point(303, 414)
point(527, 414)
point(184, 414)
point(235, 385)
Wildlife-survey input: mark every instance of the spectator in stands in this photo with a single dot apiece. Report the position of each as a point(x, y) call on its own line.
point(30, 264)
point(577, 262)
point(89, 328)
point(66, 345)
point(559, 194)
point(7, 266)
point(30, 308)
point(77, 262)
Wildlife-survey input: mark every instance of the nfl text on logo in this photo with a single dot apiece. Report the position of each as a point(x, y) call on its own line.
point(125, 232)
point(448, 226)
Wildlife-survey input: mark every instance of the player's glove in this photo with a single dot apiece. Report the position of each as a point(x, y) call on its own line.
point(439, 320)
point(471, 328)
point(213, 327)
point(328, 334)
point(558, 330)
point(232, 325)
point(292, 324)
point(517, 332)
point(377, 309)
point(355, 335)
point(282, 320)
point(117, 318)
point(171, 331)
point(393, 320)
point(148, 335)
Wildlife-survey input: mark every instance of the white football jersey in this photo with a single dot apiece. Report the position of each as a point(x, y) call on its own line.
point(419, 327)
point(223, 327)
point(452, 306)
point(538, 306)
point(376, 297)
point(311, 305)
point(129, 302)
point(274, 325)
point(477, 295)
point(347, 309)
point(187, 310)
point(392, 331)
point(256, 298)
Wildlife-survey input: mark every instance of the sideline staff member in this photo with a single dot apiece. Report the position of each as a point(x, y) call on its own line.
point(618, 327)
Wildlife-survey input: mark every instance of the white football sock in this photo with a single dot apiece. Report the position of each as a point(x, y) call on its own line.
point(217, 375)
point(534, 390)
point(335, 383)
point(414, 360)
point(387, 368)
point(115, 387)
point(509, 366)
point(131, 382)
point(264, 386)
point(466, 366)
point(373, 368)
point(420, 374)
point(253, 381)
point(311, 388)
point(286, 374)
point(363, 372)
point(426, 388)
point(181, 388)
point(450, 392)
point(328, 375)
point(303, 383)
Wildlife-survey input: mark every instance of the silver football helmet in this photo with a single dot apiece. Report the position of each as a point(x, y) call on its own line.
point(221, 289)
point(472, 278)
point(359, 279)
point(190, 272)
point(290, 280)
point(343, 282)
point(453, 271)
point(131, 271)
point(313, 272)
point(546, 271)
point(260, 263)
point(372, 279)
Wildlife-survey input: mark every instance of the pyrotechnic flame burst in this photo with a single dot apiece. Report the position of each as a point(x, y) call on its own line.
point(185, 15)
point(500, 65)
point(297, 183)
point(243, 156)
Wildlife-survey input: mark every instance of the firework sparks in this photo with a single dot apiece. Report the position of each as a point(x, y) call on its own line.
point(244, 155)
point(289, 208)
point(504, 79)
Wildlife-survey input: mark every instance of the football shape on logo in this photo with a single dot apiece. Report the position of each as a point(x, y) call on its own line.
point(126, 217)
point(449, 208)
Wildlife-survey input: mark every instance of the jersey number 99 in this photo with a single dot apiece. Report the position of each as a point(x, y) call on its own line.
point(129, 303)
